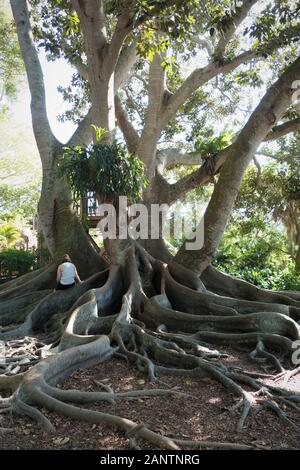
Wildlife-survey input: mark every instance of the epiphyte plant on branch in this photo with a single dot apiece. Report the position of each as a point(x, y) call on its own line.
point(107, 169)
point(136, 305)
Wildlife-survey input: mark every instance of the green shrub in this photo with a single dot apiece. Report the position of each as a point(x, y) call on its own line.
point(267, 275)
point(259, 257)
point(16, 262)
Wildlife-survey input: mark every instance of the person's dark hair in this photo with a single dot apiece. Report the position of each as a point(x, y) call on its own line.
point(66, 259)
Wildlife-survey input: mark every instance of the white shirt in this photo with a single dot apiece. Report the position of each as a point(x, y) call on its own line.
point(68, 273)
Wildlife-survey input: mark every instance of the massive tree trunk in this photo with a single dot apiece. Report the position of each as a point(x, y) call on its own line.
point(101, 62)
point(60, 226)
point(136, 307)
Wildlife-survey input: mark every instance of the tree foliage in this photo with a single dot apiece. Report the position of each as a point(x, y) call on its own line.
point(107, 169)
point(258, 256)
point(11, 64)
point(19, 201)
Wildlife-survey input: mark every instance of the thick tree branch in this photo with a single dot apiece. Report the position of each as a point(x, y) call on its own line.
point(130, 134)
point(198, 78)
point(200, 177)
point(269, 111)
point(168, 158)
point(283, 129)
point(239, 16)
point(123, 27)
point(83, 133)
point(102, 56)
point(126, 61)
point(41, 127)
point(92, 21)
point(210, 165)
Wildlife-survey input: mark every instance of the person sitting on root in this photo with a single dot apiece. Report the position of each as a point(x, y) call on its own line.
point(66, 274)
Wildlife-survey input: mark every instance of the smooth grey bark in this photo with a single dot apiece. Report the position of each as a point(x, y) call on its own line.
point(130, 134)
point(273, 105)
point(241, 12)
point(101, 79)
point(60, 227)
point(103, 58)
point(119, 316)
point(46, 142)
point(152, 129)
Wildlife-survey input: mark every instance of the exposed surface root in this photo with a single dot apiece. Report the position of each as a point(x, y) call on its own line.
point(168, 332)
point(260, 354)
point(224, 284)
point(211, 445)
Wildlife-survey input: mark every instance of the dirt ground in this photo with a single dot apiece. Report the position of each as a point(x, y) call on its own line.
point(202, 415)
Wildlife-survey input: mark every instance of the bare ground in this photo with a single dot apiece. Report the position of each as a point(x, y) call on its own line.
point(204, 414)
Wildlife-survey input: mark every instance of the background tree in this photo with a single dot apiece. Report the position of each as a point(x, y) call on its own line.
point(19, 161)
point(19, 201)
point(9, 235)
point(275, 192)
point(20, 172)
point(11, 64)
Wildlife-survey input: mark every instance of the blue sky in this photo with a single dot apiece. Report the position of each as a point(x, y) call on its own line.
point(55, 73)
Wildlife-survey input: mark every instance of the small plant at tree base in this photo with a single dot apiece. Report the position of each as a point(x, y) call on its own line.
point(106, 169)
